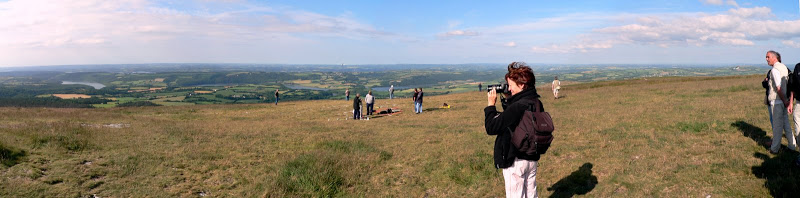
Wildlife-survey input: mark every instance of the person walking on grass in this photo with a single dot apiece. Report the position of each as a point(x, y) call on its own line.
point(370, 100)
point(277, 95)
point(418, 101)
point(357, 107)
point(519, 169)
point(414, 98)
point(779, 102)
point(391, 92)
point(555, 86)
point(347, 94)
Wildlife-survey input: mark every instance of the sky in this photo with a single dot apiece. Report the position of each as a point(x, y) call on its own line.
point(57, 32)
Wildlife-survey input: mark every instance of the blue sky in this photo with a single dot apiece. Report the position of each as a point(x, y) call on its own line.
point(53, 32)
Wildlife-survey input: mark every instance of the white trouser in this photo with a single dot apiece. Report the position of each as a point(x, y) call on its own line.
point(520, 179)
point(780, 125)
point(796, 114)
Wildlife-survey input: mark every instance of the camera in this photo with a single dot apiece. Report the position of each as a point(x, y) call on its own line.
point(501, 88)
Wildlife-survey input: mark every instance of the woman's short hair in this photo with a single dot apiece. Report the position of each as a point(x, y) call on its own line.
point(521, 73)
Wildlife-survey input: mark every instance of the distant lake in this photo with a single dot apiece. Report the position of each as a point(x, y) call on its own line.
point(95, 85)
point(296, 86)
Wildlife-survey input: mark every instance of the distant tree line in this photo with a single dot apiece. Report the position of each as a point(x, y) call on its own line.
point(138, 104)
point(54, 102)
point(243, 78)
point(29, 91)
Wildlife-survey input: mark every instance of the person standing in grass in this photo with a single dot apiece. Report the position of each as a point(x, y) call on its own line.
point(779, 102)
point(370, 100)
point(416, 92)
point(519, 169)
point(277, 95)
point(357, 107)
point(418, 101)
point(391, 92)
point(555, 86)
point(347, 94)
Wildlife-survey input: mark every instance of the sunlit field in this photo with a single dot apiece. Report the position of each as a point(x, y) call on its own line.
point(653, 137)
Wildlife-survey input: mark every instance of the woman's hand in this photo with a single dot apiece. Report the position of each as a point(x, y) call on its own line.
point(492, 96)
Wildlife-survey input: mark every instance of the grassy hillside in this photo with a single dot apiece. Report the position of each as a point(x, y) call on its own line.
point(660, 137)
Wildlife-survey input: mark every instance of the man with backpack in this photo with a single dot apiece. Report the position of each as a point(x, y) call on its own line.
point(519, 166)
point(779, 102)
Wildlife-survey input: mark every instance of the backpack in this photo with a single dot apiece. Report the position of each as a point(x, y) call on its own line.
point(534, 133)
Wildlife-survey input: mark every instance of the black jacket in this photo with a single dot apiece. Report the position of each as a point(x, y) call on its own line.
point(502, 123)
point(419, 97)
point(357, 103)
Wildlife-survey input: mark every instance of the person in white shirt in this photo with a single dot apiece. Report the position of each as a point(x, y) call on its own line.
point(555, 86)
point(370, 100)
point(779, 102)
point(391, 92)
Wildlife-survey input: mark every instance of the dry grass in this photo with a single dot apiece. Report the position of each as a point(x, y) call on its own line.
point(671, 137)
point(71, 96)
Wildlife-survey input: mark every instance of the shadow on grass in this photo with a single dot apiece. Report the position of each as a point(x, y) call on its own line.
point(432, 109)
point(579, 182)
point(781, 174)
point(753, 132)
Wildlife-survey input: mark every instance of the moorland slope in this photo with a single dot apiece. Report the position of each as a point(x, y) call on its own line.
point(659, 137)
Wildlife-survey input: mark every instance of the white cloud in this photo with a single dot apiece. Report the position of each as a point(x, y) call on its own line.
point(582, 46)
point(720, 2)
point(510, 44)
point(457, 33)
point(453, 24)
point(129, 28)
point(791, 43)
point(58, 23)
point(712, 2)
point(731, 3)
point(737, 27)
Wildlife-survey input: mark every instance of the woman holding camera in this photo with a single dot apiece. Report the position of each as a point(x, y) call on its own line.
point(519, 169)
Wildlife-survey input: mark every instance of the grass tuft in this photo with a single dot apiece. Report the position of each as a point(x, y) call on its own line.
point(10, 156)
point(311, 175)
point(65, 135)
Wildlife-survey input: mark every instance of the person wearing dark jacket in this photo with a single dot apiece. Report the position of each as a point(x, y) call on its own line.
point(418, 102)
point(519, 169)
point(277, 95)
point(765, 84)
point(357, 107)
point(414, 98)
